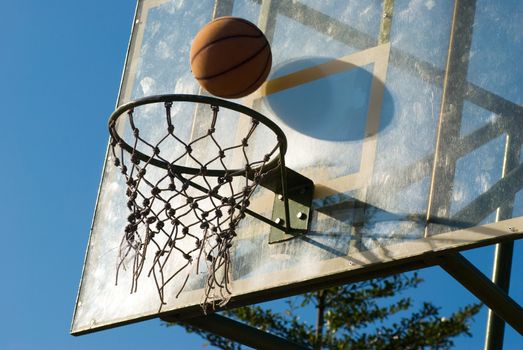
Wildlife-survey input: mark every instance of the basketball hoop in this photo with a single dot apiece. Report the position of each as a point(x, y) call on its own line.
point(190, 213)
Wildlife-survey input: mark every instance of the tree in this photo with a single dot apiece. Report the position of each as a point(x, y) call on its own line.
point(365, 315)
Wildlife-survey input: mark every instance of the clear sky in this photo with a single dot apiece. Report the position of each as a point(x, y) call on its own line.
point(60, 67)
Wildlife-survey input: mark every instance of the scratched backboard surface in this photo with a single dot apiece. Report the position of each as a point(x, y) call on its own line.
point(405, 114)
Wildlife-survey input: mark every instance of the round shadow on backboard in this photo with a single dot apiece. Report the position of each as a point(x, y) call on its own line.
point(325, 105)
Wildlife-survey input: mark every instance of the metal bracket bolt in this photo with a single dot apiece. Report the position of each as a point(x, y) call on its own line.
point(302, 216)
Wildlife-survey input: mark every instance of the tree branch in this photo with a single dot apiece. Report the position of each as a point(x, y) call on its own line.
point(320, 296)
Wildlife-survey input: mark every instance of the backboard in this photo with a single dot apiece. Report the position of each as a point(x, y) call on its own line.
point(406, 115)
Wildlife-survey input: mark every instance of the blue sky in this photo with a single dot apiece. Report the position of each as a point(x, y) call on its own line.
point(61, 65)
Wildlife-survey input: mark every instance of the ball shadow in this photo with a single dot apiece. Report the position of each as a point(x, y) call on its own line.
point(334, 107)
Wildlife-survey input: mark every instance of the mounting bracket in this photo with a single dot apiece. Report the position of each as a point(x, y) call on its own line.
point(299, 201)
point(294, 191)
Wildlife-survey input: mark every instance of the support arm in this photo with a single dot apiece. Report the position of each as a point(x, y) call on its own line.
point(239, 332)
point(483, 288)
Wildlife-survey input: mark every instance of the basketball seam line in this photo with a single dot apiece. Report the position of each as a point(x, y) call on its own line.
point(269, 56)
point(224, 38)
point(235, 66)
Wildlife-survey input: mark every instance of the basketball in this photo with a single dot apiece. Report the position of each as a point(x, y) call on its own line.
point(230, 57)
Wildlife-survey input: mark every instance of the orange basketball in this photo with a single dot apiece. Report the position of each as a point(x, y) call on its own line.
point(230, 57)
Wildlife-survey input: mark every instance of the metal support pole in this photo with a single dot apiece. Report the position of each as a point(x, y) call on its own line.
point(501, 277)
point(239, 332)
point(483, 288)
point(502, 266)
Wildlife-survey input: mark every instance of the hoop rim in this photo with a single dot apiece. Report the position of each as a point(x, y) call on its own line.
point(211, 101)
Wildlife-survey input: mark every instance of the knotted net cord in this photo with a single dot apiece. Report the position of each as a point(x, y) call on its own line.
point(184, 220)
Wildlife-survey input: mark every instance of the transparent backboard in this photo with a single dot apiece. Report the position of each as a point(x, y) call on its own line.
point(407, 115)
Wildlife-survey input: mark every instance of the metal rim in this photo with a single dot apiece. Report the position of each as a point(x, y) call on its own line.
point(211, 101)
